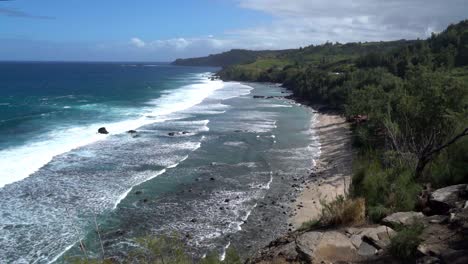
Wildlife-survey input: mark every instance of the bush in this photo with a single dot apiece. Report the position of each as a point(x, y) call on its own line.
point(385, 190)
point(163, 250)
point(450, 167)
point(404, 244)
point(343, 211)
point(160, 249)
point(377, 213)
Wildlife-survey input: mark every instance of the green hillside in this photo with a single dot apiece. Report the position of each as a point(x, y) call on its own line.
point(235, 56)
point(408, 101)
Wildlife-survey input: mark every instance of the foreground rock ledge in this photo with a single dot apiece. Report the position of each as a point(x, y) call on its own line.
point(328, 246)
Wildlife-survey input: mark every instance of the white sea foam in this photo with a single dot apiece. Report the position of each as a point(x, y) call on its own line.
point(19, 162)
point(177, 163)
point(121, 197)
point(223, 255)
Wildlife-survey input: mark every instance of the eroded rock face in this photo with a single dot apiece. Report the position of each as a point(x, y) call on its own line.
point(442, 200)
point(402, 218)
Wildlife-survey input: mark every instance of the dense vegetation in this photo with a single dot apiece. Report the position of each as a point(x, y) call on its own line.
point(408, 101)
point(235, 56)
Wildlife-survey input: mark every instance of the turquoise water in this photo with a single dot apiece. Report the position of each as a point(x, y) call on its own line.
point(51, 108)
point(223, 179)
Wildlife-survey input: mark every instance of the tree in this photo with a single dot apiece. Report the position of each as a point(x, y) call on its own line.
point(425, 116)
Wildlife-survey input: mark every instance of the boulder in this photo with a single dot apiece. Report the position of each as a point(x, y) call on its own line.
point(171, 134)
point(378, 237)
point(366, 249)
point(459, 218)
point(402, 218)
point(306, 245)
point(258, 96)
point(437, 219)
point(335, 247)
point(103, 130)
point(132, 132)
point(331, 246)
point(428, 260)
point(442, 200)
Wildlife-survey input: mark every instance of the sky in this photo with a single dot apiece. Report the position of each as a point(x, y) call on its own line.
point(155, 30)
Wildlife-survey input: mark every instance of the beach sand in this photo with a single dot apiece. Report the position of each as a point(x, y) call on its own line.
point(333, 169)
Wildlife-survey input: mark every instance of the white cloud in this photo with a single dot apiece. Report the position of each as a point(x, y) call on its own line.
point(302, 22)
point(298, 23)
point(137, 42)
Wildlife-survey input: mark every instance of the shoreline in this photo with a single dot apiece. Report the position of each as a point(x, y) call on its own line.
point(332, 172)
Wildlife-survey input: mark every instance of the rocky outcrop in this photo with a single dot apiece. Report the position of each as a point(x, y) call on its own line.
point(402, 219)
point(331, 246)
point(444, 238)
point(444, 199)
point(378, 237)
point(327, 246)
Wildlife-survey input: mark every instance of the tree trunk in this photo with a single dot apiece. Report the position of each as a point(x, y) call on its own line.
point(420, 167)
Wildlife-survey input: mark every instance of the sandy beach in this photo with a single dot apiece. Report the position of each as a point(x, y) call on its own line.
point(333, 169)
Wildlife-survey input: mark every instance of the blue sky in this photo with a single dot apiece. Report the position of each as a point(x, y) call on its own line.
point(150, 30)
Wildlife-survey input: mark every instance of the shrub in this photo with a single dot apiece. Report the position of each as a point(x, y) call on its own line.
point(404, 244)
point(450, 167)
point(385, 190)
point(343, 211)
point(377, 213)
point(160, 249)
point(163, 250)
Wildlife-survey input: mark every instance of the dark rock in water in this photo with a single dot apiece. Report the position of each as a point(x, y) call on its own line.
point(131, 131)
point(258, 96)
point(212, 179)
point(171, 134)
point(193, 220)
point(227, 201)
point(145, 200)
point(138, 192)
point(103, 130)
point(185, 132)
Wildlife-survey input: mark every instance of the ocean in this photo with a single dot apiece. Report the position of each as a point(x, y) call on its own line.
point(208, 161)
